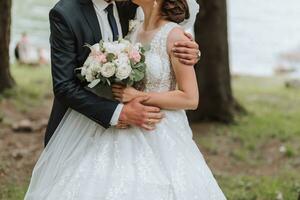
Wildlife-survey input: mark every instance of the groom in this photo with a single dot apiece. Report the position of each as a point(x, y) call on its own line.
point(73, 24)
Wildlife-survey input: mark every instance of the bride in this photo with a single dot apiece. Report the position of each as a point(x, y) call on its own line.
point(88, 162)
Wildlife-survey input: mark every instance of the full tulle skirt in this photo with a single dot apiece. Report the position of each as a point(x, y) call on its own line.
point(84, 161)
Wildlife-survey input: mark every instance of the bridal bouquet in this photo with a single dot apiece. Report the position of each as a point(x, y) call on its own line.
point(114, 62)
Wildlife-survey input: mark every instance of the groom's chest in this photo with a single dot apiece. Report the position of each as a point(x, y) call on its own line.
point(90, 27)
point(105, 26)
point(93, 27)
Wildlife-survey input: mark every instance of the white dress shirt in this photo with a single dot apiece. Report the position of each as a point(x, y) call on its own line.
point(100, 6)
point(107, 35)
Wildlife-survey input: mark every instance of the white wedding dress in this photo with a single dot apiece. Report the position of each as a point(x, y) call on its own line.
point(84, 161)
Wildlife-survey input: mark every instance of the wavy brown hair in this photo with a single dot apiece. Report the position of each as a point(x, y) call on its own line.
point(175, 10)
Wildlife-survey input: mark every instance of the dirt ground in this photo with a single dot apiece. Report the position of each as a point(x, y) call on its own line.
point(20, 150)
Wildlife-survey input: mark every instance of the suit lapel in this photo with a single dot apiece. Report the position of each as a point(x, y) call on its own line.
point(91, 18)
point(127, 11)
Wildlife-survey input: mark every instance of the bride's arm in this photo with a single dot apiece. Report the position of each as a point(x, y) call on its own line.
point(184, 97)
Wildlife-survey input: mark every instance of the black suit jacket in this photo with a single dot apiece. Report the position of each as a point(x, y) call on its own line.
point(74, 23)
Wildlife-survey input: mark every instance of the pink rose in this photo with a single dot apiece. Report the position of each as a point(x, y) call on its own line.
point(135, 56)
point(99, 57)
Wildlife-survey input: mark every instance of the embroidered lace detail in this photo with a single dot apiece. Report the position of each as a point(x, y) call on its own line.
point(160, 76)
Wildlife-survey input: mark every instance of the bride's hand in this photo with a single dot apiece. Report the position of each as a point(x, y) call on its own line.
point(125, 94)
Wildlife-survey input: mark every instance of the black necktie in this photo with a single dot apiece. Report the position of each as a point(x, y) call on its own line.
point(112, 21)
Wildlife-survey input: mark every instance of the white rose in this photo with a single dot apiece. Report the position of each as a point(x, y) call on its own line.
point(122, 46)
point(90, 72)
point(122, 59)
point(123, 71)
point(95, 48)
point(89, 75)
point(111, 47)
point(126, 43)
point(114, 47)
point(95, 67)
point(137, 46)
point(108, 70)
point(88, 61)
point(83, 70)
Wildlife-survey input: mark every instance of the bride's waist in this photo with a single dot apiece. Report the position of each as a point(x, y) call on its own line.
point(174, 115)
point(173, 112)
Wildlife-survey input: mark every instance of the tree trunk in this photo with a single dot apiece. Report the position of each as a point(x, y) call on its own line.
point(216, 99)
point(6, 80)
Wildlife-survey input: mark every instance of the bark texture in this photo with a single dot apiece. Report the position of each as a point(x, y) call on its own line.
point(213, 71)
point(6, 80)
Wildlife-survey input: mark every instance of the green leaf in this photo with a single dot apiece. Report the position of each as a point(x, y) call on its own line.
point(143, 59)
point(94, 83)
point(110, 57)
point(131, 63)
point(103, 79)
point(87, 45)
point(137, 65)
point(101, 46)
point(130, 82)
point(137, 75)
point(108, 82)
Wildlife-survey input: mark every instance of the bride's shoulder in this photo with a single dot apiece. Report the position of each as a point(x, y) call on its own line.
point(176, 34)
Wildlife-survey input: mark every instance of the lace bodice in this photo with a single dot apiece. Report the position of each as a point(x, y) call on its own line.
point(159, 73)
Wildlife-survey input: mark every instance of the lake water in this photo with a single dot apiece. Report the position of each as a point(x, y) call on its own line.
point(259, 31)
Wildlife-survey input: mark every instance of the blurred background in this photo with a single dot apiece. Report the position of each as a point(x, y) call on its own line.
point(248, 123)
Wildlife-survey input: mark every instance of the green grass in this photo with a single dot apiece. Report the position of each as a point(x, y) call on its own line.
point(274, 110)
point(261, 188)
point(257, 169)
point(12, 192)
point(33, 84)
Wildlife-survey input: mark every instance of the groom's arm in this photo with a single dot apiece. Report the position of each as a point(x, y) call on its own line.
point(67, 88)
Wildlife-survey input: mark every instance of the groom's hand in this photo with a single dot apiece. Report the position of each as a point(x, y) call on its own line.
point(187, 52)
point(122, 125)
point(137, 114)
